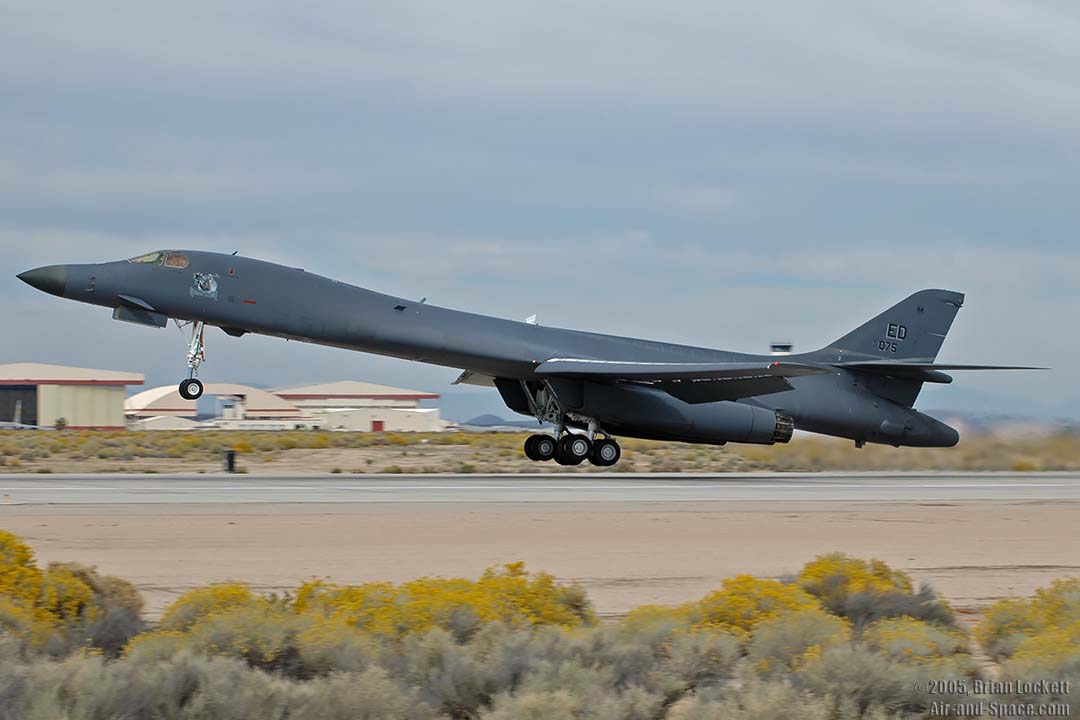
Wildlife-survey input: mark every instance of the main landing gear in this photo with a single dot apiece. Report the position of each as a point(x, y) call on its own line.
point(571, 449)
point(565, 448)
point(192, 388)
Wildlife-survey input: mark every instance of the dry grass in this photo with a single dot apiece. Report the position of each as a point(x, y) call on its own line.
point(355, 453)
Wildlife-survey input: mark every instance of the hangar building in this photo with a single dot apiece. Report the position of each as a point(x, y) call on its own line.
point(241, 408)
point(362, 406)
point(39, 394)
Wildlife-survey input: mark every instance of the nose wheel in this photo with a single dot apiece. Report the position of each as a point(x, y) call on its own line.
point(191, 389)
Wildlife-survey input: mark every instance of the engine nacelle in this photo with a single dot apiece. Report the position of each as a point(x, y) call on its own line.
point(737, 422)
point(648, 412)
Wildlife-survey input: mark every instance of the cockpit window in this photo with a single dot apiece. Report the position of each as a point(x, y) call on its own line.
point(153, 258)
point(176, 260)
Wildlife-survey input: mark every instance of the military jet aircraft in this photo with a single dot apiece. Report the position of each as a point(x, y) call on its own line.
point(589, 387)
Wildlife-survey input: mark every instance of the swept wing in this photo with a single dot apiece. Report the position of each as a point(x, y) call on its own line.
point(691, 382)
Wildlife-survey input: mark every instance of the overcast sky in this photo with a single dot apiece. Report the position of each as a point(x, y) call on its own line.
point(721, 174)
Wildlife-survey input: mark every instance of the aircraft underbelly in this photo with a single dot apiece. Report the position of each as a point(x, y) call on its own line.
point(648, 412)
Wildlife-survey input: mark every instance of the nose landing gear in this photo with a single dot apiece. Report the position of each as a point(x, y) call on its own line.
point(192, 388)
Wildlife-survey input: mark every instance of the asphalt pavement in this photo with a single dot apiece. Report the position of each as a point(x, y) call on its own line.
point(109, 489)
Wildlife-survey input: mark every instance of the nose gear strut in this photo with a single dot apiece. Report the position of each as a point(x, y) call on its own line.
point(191, 388)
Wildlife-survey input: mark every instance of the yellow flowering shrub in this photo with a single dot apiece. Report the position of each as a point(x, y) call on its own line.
point(263, 635)
point(108, 591)
point(745, 601)
point(327, 645)
point(835, 575)
point(330, 628)
point(866, 591)
point(507, 593)
point(20, 578)
point(64, 606)
point(1052, 647)
point(29, 626)
point(1011, 622)
point(791, 640)
point(229, 620)
point(64, 596)
point(15, 619)
point(1059, 604)
point(58, 595)
point(1005, 625)
point(199, 603)
point(913, 641)
point(150, 648)
point(645, 616)
point(537, 597)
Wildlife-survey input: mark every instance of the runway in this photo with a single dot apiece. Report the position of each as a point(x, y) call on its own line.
point(630, 539)
point(119, 489)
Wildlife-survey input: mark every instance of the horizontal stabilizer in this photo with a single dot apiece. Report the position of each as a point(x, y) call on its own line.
point(923, 372)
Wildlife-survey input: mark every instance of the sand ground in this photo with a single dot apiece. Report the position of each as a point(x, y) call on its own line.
point(624, 554)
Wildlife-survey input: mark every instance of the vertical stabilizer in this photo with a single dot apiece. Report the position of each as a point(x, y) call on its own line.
point(913, 329)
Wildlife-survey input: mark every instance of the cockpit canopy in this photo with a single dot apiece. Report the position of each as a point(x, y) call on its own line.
point(167, 258)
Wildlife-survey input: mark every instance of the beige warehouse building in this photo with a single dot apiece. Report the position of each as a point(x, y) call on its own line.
point(242, 408)
point(86, 399)
point(365, 407)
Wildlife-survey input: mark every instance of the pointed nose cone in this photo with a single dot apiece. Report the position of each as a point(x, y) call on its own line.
point(51, 278)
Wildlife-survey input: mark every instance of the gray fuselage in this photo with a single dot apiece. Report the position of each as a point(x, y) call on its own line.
point(243, 295)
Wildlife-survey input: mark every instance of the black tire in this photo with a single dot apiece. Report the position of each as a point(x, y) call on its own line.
point(563, 459)
point(530, 448)
point(544, 448)
point(191, 389)
point(573, 449)
point(605, 453)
